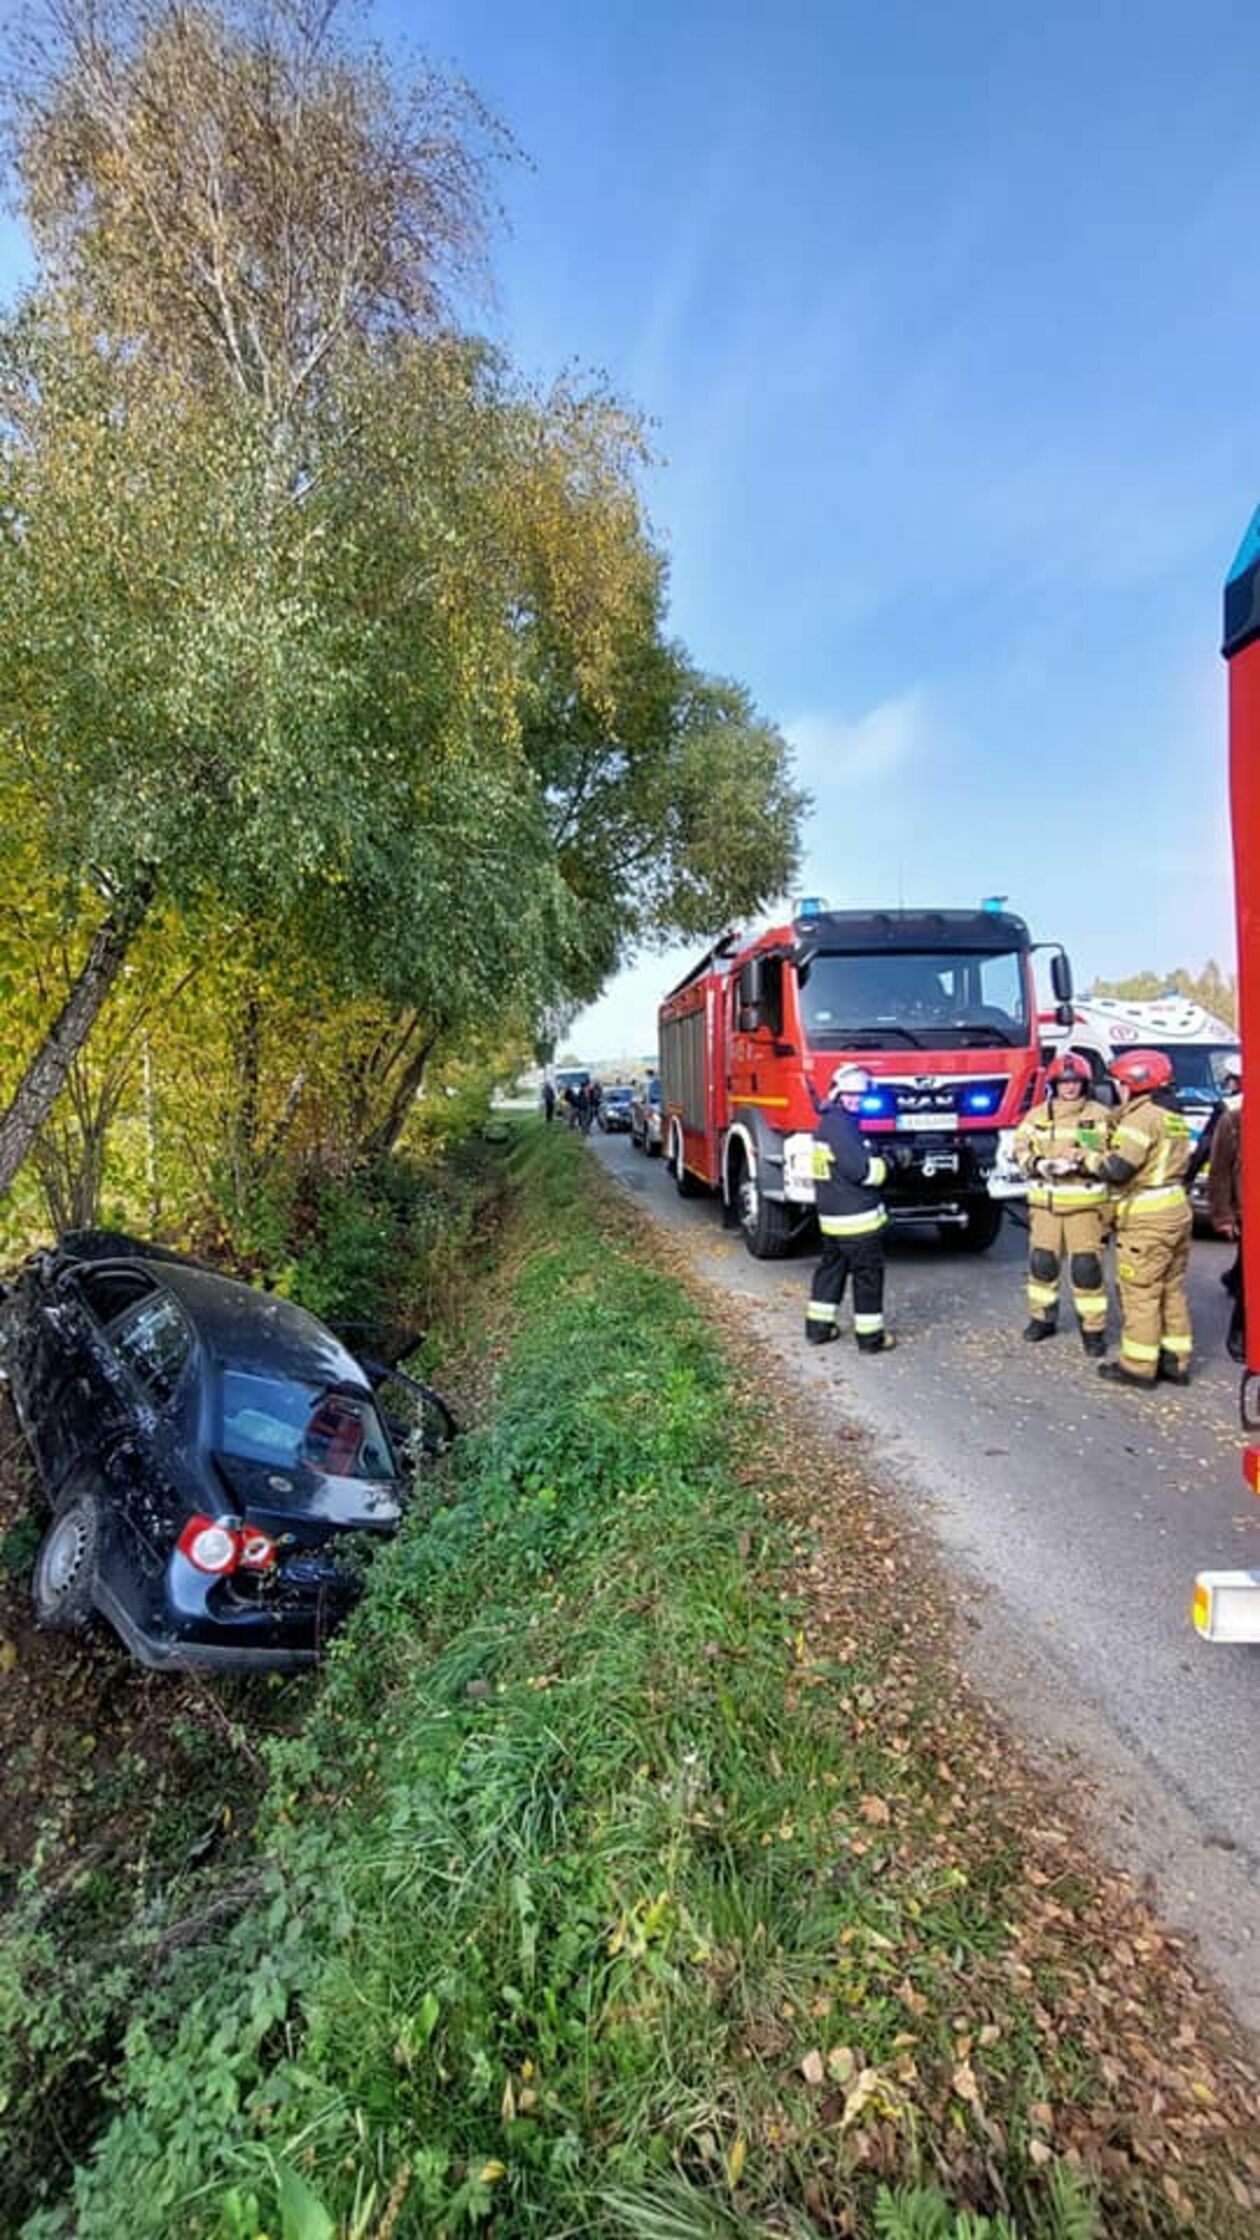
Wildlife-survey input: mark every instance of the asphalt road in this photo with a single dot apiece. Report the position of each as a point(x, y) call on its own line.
point(1086, 1511)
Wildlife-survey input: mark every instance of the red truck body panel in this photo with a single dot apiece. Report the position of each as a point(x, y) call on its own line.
point(755, 1075)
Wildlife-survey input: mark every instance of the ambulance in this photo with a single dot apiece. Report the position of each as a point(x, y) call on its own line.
point(1204, 1051)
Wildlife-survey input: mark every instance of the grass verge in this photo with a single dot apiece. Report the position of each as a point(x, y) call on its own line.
point(644, 1870)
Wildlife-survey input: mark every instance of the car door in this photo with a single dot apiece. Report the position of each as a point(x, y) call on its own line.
point(69, 1376)
point(151, 1346)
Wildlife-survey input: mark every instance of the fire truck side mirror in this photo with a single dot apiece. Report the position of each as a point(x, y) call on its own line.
point(750, 996)
point(1061, 980)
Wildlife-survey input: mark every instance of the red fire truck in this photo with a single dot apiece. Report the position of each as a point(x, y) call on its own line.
point(938, 1005)
point(1227, 1603)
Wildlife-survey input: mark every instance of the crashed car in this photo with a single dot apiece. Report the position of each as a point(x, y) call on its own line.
point(217, 1464)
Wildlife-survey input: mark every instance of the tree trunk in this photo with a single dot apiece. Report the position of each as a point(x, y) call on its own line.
point(380, 1140)
point(41, 1083)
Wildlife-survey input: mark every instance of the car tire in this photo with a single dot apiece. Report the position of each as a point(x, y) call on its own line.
point(65, 1568)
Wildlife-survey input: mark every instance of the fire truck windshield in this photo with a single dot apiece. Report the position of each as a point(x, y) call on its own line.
point(928, 999)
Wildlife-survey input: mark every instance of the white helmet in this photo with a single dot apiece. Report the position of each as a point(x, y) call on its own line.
point(850, 1081)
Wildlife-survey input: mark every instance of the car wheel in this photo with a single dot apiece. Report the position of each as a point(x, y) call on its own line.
point(65, 1568)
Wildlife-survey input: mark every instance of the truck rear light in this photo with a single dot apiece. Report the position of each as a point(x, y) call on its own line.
point(209, 1546)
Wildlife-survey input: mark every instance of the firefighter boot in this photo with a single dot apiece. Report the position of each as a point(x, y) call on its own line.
point(1116, 1373)
point(1094, 1342)
point(1171, 1370)
point(1041, 1326)
point(882, 1341)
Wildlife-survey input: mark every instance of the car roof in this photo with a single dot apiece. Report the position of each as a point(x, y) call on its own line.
point(248, 1329)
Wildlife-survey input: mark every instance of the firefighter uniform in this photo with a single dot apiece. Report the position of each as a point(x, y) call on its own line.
point(1145, 1166)
point(852, 1217)
point(1067, 1213)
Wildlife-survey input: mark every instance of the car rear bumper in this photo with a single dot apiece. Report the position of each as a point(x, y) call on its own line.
point(164, 1651)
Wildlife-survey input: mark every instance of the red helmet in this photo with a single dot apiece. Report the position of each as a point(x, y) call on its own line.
point(1070, 1067)
point(1141, 1070)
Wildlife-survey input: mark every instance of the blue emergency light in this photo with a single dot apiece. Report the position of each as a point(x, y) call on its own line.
point(982, 1100)
point(810, 906)
point(994, 904)
point(876, 1104)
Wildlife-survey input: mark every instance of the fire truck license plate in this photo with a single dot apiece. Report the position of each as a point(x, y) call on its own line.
point(922, 1122)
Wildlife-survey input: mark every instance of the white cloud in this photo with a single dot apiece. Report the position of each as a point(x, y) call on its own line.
point(834, 752)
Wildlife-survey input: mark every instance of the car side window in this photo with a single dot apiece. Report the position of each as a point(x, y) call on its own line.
point(109, 1292)
point(155, 1342)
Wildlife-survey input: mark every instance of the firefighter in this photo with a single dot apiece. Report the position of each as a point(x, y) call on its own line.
point(1145, 1165)
point(848, 1178)
point(1067, 1209)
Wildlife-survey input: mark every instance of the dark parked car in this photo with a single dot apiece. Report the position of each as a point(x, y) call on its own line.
point(646, 1117)
point(217, 1464)
point(614, 1110)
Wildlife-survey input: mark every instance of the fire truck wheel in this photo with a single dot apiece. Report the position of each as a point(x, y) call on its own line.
point(684, 1181)
point(766, 1222)
point(984, 1220)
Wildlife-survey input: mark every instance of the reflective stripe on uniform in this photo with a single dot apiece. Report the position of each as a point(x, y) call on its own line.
point(818, 1310)
point(1151, 1201)
point(876, 1172)
point(1135, 1135)
point(1137, 1351)
point(1066, 1197)
point(1178, 1344)
point(1043, 1294)
point(865, 1325)
point(852, 1224)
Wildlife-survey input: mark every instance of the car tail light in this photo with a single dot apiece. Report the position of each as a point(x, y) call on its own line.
point(209, 1546)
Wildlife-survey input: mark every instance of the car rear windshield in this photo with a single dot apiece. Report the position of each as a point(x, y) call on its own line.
point(288, 1423)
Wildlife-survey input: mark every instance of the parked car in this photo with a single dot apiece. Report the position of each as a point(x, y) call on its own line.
point(218, 1465)
point(614, 1109)
point(645, 1117)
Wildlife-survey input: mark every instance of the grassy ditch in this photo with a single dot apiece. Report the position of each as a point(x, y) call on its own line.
point(127, 1798)
point(643, 1869)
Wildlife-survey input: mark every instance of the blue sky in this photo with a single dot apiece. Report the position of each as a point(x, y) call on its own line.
point(946, 317)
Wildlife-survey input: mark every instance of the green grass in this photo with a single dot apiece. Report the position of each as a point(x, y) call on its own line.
point(598, 1898)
